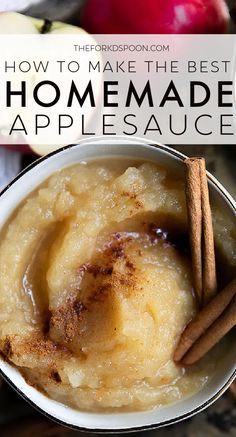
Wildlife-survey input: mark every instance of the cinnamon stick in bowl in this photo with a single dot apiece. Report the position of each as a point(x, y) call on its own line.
point(200, 230)
point(217, 314)
point(199, 326)
point(222, 325)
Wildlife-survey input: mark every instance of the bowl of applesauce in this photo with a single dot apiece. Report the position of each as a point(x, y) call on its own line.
point(96, 287)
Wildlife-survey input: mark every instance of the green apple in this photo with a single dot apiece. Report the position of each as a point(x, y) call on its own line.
point(13, 23)
point(16, 23)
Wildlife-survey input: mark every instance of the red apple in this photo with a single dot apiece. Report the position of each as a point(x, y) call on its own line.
point(155, 16)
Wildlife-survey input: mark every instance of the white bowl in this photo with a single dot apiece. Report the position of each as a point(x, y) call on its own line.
point(27, 181)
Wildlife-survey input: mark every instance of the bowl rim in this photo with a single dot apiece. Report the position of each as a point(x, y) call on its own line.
point(153, 426)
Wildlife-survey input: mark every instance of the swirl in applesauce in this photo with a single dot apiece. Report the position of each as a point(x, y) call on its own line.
point(96, 288)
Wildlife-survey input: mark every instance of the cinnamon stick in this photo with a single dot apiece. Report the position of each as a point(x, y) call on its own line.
point(209, 284)
point(204, 319)
point(194, 208)
point(213, 335)
point(218, 315)
point(200, 230)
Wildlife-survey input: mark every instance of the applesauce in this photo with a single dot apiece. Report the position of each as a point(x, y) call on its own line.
point(96, 287)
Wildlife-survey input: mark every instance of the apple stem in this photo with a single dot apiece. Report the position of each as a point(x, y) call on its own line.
point(46, 26)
